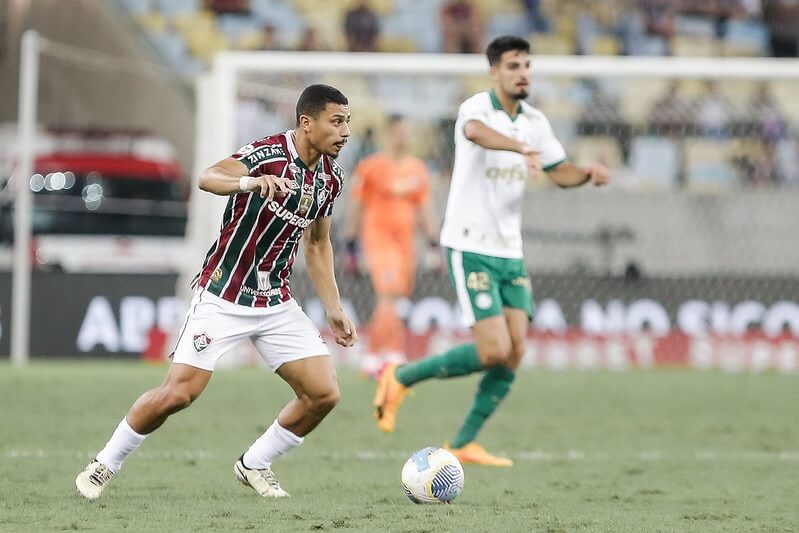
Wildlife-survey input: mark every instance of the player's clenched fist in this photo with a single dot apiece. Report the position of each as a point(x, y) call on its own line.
point(598, 174)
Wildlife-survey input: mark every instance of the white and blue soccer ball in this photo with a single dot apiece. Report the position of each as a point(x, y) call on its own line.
point(432, 475)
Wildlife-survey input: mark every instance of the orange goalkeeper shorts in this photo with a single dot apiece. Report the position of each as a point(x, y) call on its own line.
point(392, 269)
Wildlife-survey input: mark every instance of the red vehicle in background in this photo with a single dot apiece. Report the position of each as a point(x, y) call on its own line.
point(103, 202)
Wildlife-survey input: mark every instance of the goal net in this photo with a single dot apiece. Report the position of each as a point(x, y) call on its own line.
point(691, 247)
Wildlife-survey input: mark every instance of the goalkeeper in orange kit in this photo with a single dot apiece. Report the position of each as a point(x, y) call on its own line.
point(390, 197)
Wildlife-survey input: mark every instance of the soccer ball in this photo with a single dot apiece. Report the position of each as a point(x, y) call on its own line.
point(432, 475)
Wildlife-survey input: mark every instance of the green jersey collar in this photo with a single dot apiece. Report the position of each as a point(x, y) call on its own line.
point(498, 106)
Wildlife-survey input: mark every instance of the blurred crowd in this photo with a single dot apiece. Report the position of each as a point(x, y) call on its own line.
point(696, 134)
point(641, 27)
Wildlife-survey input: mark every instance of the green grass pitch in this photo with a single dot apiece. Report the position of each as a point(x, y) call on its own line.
point(668, 450)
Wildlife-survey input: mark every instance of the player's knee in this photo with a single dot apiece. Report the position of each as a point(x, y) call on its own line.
point(323, 403)
point(497, 353)
point(173, 399)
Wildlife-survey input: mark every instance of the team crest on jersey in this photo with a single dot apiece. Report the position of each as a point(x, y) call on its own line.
point(216, 275)
point(201, 341)
point(321, 196)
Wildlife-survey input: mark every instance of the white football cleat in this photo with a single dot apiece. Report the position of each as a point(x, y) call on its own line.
point(263, 481)
point(93, 479)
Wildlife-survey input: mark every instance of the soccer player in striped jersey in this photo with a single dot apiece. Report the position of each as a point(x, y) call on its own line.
point(499, 140)
point(282, 189)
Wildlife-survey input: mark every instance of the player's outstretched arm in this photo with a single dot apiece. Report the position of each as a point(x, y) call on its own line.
point(570, 175)
point(491, 139)
point(230, 176)
point(319, 260)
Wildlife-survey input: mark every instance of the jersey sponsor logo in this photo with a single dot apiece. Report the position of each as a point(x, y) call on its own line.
point(405, 185)
point(264, 152)
point(284, 214)
point(508, 174)
point(201, 341)
point(259, 292)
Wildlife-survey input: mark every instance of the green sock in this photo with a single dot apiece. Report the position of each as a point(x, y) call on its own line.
point(492, 389)
point(458, 361)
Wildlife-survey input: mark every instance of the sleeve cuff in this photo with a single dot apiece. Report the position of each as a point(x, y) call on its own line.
point(554, 165)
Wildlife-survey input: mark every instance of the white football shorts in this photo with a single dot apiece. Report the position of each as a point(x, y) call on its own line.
point(281, 333)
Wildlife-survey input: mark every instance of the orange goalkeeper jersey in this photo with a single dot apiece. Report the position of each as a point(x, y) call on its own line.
point(391, 193)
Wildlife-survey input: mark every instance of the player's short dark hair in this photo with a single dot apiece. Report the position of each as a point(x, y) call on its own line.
point(315, 98)
point(505, 43)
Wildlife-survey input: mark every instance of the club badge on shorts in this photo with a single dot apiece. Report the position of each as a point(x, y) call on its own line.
point(201, 341)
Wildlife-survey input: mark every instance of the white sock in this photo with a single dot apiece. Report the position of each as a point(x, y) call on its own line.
point(122, 443)
point(275, 441)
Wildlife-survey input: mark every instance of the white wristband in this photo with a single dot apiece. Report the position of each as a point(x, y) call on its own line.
point(245, 183)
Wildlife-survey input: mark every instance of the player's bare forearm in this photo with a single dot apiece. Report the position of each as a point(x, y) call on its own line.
point(319, 260)
point(570, 175)
point(230, 176)
point(223, 177)
point(491, 139)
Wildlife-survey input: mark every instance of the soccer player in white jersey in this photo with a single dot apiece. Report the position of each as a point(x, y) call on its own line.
point(281, 189)
point(499, 140)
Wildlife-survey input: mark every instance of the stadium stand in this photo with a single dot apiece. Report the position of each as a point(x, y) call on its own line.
point(647, 118)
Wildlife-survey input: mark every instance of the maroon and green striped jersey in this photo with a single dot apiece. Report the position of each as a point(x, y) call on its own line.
point(251, 260)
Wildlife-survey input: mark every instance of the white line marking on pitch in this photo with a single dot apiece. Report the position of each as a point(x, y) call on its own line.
point(384, 455)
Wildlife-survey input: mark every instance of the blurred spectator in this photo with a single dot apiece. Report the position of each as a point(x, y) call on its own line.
point(269, 40)
point(713, 111)
point(761, 170)
point(536, 21)
point(766, 115)
point(752, 8)
point(720, 11)
point(461, 27)
point(309, 42)
point(362, 28)
point(601, 116)
point(228, 6)
point(659, 17)
point(782, 19)
point(671, 115)
point(368, 144)
point(254, 118)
